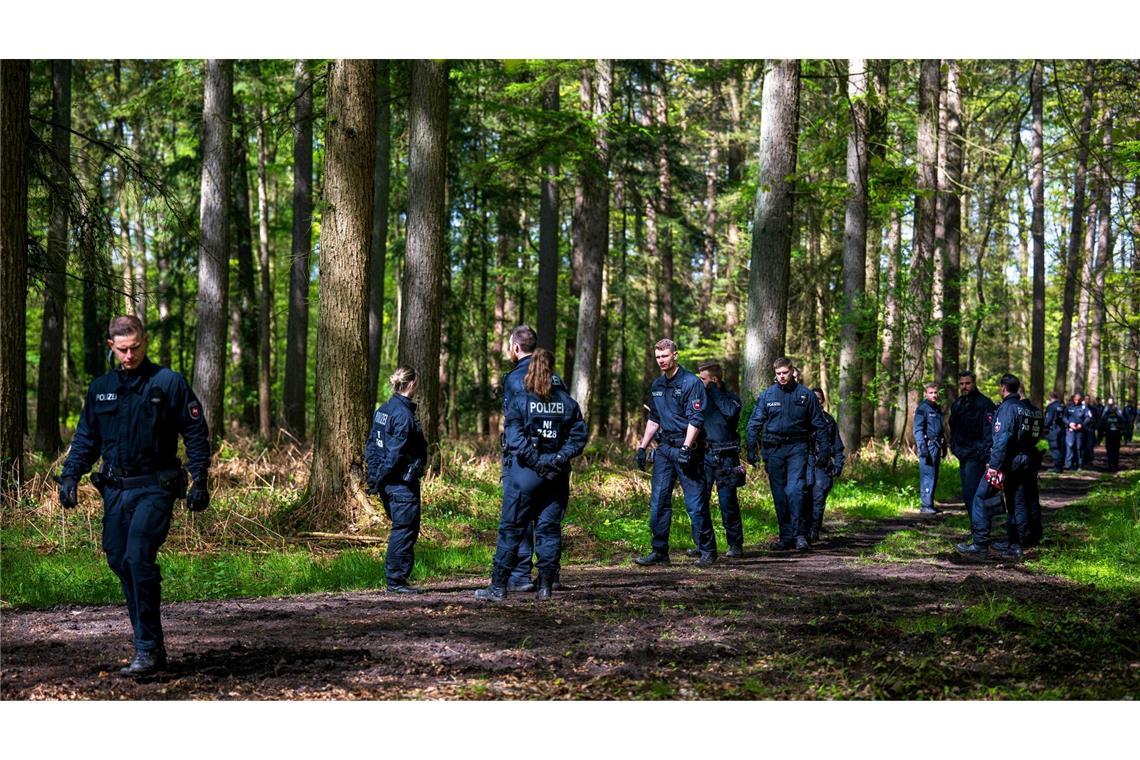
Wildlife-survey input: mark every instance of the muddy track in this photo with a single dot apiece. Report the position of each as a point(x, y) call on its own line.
point(826, 623)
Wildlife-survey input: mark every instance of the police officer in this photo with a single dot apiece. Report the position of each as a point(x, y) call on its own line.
point(1091, 433)
point(522, 344)
point(396, 454)
point(821, 474)
point(676, 421)
point(1076, 418)
point(1016, 430)
point(1055, 430)
point(722, 455)
point(786, 418)
point(1112, 428)
point(544, 432)
point(930, 444)
point(1129, 421)
point(132, 418)
point(971, 420)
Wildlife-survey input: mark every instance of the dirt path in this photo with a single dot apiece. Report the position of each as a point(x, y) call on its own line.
point(828, 623)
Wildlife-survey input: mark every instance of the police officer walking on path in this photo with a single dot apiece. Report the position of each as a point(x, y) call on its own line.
point(786, 417)
point(396, 454)
point(676, 418)
point(1010, 465)
point(722, 456)
point(930, 444)
point(132, 418)
point(1055, 430)
point(544, 432)
point(1129, 421)
point(971, 418)
point(1112, 428)
point(1076, 418)
point(821, 474)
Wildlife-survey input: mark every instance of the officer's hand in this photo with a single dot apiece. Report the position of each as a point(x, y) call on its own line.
point(528, 457)
point(641, 458)
point(684, 456)
point(198, 498)
point(753, 458)
point(835, 471)
point(68, 491)
point(928, 458)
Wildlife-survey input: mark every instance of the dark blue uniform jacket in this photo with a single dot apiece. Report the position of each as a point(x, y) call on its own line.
point(722, 418)
point(1054, 417)
point(677, 402)
point(134, 419)
point(513, 382)
point(551, 426)
point(396, 446)
point(788, 415)
point(837, 450)
point(971, 420)
point(1011, 431)
point(1078, 414)
point(928, 429)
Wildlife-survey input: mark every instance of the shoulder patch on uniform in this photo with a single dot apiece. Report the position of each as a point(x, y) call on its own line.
point(697, 406)
point(194, 409)
point(997, 426)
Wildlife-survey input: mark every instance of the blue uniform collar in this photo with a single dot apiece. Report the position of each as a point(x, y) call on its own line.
point(405, 401)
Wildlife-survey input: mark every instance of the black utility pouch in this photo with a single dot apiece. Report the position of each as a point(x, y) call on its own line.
point(174, 481)
point(98, 480)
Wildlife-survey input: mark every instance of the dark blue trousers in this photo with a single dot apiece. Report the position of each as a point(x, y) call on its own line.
point(1112, 450)
point(927, 481)
point(786, 465)
point(521, 574)
point(1019, 509)
point(1088, 438)
point(532, 501)
point(666, 473)
point(815, 499)
point(402, 505)
point(970, 472)
point(726, 497)
point(1075, 450)
point(1056, 440)
point(135, 524)
point(981, 513)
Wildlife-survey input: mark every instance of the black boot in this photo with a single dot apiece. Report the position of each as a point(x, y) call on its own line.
point(146, 663)
point(492, 593)
point(545, 584)
point(653, 558)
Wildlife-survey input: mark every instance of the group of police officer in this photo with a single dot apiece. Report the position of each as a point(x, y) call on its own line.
point(133, 416)
point(1074, 429)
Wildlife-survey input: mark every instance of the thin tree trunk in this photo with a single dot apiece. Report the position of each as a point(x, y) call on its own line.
point(242, 312)
point(265, 305)
point(1097, 378)
point(854, 258)
point(1037, 191)
point(1078, 353)
point(15, 135)
point(663, 204)
point(1073, 259)
point(426, 257)
point(733, 256)
point(55, 279)
point(297, 335)
point(766, 326)
point(547, 320)
point(708, 273)
point(342, 320)
point(952, 252)
point(381, 181)
point(213, 247)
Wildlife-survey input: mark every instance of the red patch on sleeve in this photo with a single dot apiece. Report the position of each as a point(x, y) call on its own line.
point(195, 411)
point(696, 406)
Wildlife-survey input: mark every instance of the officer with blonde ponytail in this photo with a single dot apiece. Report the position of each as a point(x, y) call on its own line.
point(396, 453)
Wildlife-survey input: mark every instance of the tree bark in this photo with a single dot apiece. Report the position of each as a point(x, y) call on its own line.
point(663, 204)
point(420, 320)
point(1078, 352)
point(595, 220)
point(265, 305)
point(15, 135)
point(342, 414)
point(952, 223)
point(55, 279)
point(381, 182)
point(854, 258)
point(297, 335)
point(243, 313)
point(1037, 192)
point(213, 246)
point(1073, 259)
point(1096, 374)
point(547, 321)
point(879, 71)
point(766, 326)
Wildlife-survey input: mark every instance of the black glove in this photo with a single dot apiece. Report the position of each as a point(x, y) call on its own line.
point(928, 458)
point(550, 466)
point(198, 498)
point(528, 457)
point(641, 459)
point(68, 491)
point(834, 470)
point(684, 456)
point(752, 457)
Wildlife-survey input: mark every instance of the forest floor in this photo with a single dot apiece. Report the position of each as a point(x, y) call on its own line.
point(858, 617)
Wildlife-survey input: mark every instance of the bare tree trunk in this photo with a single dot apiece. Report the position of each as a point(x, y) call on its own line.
point(1037, 191)
point(213, 246)
point(766, 326)
point(952, 252)
point(938, 262)
point(1097, 381)
point(734, 254)
point(712, 169)
point(381, 180)
point(420, 321)
point(131, 304)
point(1078, 353)
point(55, 279)
point(547, 322)
point(879, 71)
point(15, 135)
point(854, 258)
point(1134, 363)
point(663, 205)
point(342, 320)
point(595, 212)
point(265, 305)
point(297, 335)
point(1073, 260)
point(242, 311)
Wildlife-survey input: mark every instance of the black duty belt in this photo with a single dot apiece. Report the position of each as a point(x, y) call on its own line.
point(134, 481)
point(724, 448)
point(783, 439)
point(671, 441)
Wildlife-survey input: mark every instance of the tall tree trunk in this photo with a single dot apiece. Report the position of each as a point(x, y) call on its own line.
point(595, 212)
point(1097, 380)
point(55, 279)
point(297, 335)
point(131, 304)
point(213, 246)
point(15, 135)
point(1133, 364)
point(342, 414)
point(242, 312)
point(951, 198)
point(547, 321)
point(922, 259)
point(381, 181)
point(767, 321)
point(1037, 192)
point(1073, 259)
point(265, 305)
point(938, 262)
point(420, 321)
point(734, 254)
point(663, 204)
point(712, 170)
point(854, 258)
point(1078, 353)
